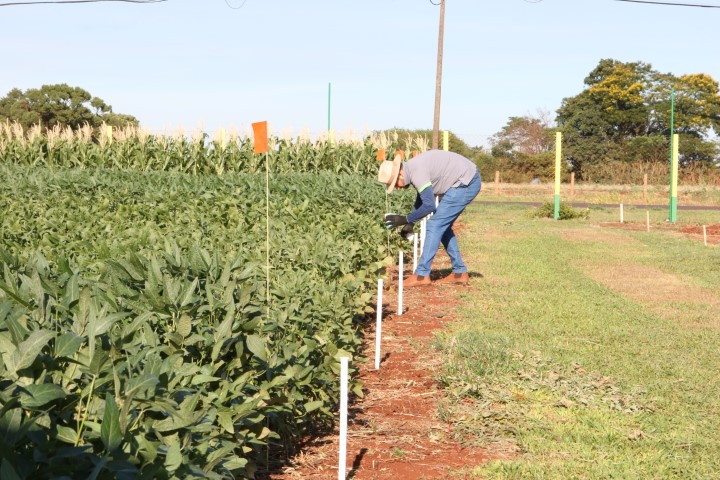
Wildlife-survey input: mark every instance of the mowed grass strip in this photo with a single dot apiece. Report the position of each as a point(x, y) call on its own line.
point(585, 352)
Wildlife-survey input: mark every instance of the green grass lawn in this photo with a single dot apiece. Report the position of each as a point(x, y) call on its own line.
point(600, 193)
point(585, 351)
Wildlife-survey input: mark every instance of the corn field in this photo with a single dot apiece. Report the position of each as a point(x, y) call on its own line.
point(195, 153)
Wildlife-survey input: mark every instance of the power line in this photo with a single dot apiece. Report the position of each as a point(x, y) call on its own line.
point(670, 3)
point(235, 8)
point(8, 4)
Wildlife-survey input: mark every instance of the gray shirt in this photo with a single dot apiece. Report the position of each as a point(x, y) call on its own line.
point(439, 168)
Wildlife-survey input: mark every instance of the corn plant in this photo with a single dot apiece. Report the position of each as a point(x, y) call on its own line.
point(195, 153)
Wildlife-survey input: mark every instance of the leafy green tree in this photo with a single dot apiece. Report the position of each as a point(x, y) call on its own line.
point(624, 114)
point(62, 105)
point(530, 135)
point(526, 144)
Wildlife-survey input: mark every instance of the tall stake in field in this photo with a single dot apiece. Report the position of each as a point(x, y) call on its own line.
point(673, 178)
point(558, 169)
point(675, 158)
point(261, 146)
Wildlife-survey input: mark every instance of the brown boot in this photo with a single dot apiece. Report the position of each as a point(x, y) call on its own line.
point(455, 278)
point(416, 281)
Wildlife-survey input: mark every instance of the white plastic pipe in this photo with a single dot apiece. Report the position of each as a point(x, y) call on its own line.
point(622, 214)
point(415, 252)
point(342, 461)
point(401, 272)
point(378, 325)
point(705, 234)
point(423, 227)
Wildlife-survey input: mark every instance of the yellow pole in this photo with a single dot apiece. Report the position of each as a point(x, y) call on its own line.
point(446, 140)
point(674, 183)
point(558, 156)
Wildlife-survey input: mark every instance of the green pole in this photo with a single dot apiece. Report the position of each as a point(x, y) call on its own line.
point(329, 95)
point(673, 181)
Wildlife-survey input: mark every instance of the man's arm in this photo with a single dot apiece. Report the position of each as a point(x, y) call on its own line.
point(424, 205)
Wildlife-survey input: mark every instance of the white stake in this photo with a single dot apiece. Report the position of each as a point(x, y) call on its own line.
point(705, 234)
point(423, 227)
point(621, 214)
point(378, 325)
point(342, 462)
point(415, 252)
point(648, 220)
point(401, 272)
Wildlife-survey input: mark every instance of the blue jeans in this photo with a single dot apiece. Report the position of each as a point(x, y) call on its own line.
point(439, 227)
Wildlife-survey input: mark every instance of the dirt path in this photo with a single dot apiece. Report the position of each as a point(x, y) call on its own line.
point(395, 431)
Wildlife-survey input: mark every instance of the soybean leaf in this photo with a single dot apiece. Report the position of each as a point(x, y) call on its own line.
point(312, 406)
point(36, 395)
point(173, 458)
point(184, 326)
point(257, 346)
point(66, 434)
point(188, 294)
point(29, 349)
point(110, 429)
point(68, 344)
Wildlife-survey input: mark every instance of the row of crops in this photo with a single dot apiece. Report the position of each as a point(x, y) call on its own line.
point(196, 153)
point(136, 339)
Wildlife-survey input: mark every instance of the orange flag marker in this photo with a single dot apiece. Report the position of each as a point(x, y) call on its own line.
point(381, 155)
point(261, 139)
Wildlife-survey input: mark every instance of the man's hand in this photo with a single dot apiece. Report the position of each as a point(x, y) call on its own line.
point(407, 231)
point(392, 221)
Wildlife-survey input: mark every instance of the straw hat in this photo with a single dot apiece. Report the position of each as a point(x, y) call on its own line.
point(388, 173)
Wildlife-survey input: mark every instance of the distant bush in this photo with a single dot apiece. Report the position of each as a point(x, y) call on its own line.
point(547, 210)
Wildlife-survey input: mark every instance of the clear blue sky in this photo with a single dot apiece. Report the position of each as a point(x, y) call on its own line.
point(202, 64)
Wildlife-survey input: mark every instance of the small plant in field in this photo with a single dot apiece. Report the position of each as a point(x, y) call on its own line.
point(547, 210)
point(398, 453)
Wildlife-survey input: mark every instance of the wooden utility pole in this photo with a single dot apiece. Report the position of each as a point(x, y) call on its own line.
point(438, 80)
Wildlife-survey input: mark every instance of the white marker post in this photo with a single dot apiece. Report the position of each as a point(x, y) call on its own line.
point(622, 214)
point(401, 272)
point(647, 217)
point(415, 252)
point(342, 461)
point(705, 234)
point(378, 325)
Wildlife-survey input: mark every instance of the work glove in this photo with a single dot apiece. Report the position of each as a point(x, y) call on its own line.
point(392, 221)
point(407, 231)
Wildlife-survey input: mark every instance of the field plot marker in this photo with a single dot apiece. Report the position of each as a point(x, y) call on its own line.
point(401, 272)
point(261, 146)
point(705, 234)
point(415, 252)
point(342, 461)
point(622, 214)
point(647, 219)
point(378, 325)
point(558, 156)
point(674, 177)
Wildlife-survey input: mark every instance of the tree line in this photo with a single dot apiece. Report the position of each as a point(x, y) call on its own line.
point(620, 122)
point(619, 125)
point(59, 105)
